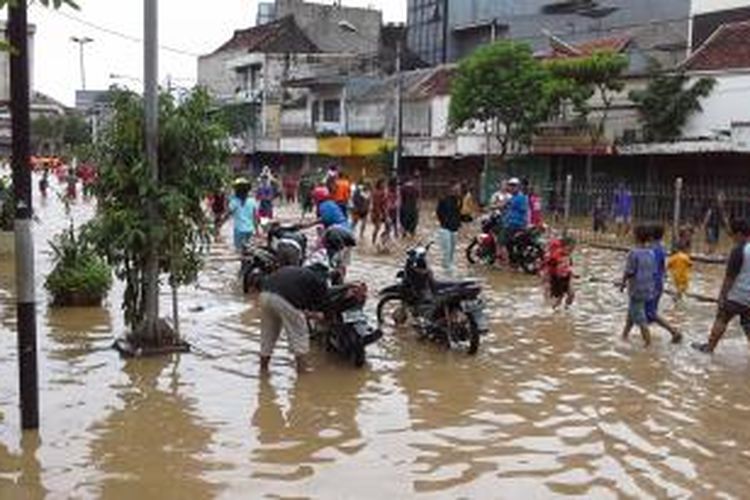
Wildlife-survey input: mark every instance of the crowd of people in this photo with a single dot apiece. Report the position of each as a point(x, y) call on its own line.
point(70, 176)
point(392, 210)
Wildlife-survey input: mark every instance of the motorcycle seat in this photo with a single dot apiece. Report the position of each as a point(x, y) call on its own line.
point(444, 286)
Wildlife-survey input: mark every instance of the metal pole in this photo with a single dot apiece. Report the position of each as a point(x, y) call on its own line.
point(399, 111)
point(568, 194)
point(486, 167)
point(82, 41)
point(677, 208)
point(151, 101)
point(82, 64)
point(25, 300)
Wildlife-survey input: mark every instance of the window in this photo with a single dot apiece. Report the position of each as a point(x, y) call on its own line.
point(315, 112)
point(331, 111)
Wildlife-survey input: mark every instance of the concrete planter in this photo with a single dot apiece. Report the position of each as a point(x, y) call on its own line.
point(7, 243)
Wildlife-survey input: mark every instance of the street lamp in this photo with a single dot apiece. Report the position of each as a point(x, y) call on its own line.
point(82, 41)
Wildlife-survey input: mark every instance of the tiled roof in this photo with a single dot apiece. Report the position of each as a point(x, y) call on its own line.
point(727, 48)
point(280, 36)
point(561, 49)
point(438, 82)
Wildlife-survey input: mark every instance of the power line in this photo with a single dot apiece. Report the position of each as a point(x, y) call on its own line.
point(119, 34)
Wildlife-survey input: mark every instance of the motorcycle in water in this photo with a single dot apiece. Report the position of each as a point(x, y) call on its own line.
point(286, 245)
point(344, 328)
point(525, 249)
point(449, 312)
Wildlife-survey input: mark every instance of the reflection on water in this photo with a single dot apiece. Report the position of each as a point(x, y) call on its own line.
point(553, 405)
point(153, 438)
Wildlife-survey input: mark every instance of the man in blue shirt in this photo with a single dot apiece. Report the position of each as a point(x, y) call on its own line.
point(332, 215)
point(243, 210)
point(517, 212)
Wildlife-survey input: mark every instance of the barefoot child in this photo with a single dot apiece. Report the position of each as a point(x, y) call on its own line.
point(639, 279)
point(652, 305)
point(558, 271)
point(680, 266)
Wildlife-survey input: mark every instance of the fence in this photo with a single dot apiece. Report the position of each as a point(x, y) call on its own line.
point(604, 213)
point(570, 204)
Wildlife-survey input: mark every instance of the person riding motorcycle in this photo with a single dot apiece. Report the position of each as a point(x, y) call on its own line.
point(516, 215)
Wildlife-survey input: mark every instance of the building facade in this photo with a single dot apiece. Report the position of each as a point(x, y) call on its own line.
point(333, 28)
point(661, 28)
point(427, 21)
point(266, 13)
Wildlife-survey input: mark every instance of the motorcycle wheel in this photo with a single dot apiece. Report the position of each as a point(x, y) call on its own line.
point(531, 259)
point(476, 254)
point(399, 317)
point(469, 334)
point(474, 337)
point(355, 347)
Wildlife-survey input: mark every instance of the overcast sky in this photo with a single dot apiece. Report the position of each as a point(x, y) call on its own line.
point(193, 30)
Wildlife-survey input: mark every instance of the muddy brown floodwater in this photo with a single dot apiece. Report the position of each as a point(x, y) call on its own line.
point(553, 405)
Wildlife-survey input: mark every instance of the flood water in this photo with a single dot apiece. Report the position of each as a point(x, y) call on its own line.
point(554, 404)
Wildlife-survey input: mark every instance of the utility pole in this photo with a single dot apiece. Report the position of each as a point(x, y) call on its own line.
point(492, 124)
point(151, 103)
point(82, 41)
point(399, 109)
point(25, 300)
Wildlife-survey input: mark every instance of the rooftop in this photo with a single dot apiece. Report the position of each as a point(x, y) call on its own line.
point(282, 35)
point(560, 49)
point(727, 48)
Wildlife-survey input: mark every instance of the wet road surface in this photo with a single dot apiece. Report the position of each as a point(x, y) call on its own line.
point(554, 404)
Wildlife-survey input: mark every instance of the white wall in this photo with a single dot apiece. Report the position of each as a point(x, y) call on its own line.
point(727, 103)
point(5, 64)
point(704, 6)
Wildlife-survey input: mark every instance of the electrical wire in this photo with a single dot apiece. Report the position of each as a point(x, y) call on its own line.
point(121, 35)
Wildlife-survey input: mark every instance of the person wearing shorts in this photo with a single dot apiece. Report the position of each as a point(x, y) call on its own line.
point(622, 208)
point(639, 273)
point(287, 297)
point(734, 298)
point(558, 271)
point(656, 236)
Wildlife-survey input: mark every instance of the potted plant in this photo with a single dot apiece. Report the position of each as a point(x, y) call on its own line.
point(79, 278)
point(7, 217)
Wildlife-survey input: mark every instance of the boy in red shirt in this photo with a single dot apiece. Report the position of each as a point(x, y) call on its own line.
point(558, 271)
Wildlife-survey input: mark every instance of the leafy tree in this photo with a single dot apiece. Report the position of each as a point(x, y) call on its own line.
point(61, 134)
point(668, 102)
point(238, 118)
point(192, 165)
point(579, 79)
point(501, 83)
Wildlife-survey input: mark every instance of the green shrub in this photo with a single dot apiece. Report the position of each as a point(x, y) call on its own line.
point(77, 268)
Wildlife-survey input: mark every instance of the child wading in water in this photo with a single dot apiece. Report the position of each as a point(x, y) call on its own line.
point(558, 271)
point(656, 233)
point(639, 279)
point(680, 265)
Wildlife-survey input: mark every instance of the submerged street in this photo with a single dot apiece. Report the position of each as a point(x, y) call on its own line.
point(554, 404)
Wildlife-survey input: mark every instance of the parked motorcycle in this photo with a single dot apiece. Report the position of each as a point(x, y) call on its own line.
point(448, 312)
point(345, 328)
point(286, 244)
point(525, 249)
